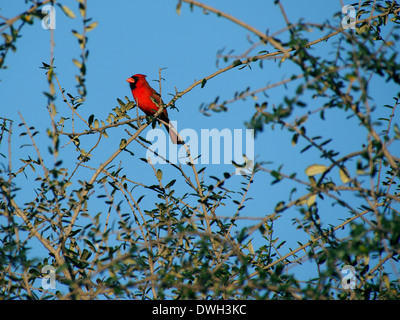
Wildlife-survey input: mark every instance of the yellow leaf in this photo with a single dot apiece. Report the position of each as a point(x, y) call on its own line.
point(122, 144)
point(68, 12)
point(77, 63)
point(178, 8)
point(301, 202)
point(78, 35)
point(311, 200)
point(344, 175)
point(315, 169)
point(91, 26)
point(362, 29)
point(7, 37)
point(386, 281)
point(82, 8)
point(28, 18)
point(130, 261)
point(250, 247)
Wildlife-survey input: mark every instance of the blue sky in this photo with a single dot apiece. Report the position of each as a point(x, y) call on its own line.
point(143, 36)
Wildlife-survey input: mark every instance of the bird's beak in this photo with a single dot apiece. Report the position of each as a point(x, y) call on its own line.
point(130, 80)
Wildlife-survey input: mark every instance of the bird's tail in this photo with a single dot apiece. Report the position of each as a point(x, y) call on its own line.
point(173, 134)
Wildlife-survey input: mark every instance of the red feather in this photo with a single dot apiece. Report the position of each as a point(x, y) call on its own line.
point(149, 101)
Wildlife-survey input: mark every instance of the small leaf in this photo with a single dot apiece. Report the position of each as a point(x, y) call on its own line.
point(121, 103)
point(279, 269)
point(315, 169)
point(77, 63)
point(203, 83)
point(122, 144)
point(45, 66)
point(90, 120)
point(129, 105)
point(362, 29)
point(178, 8)
point(396, 131)
point(313, 182)
point(237, 63)
point(280, 206)
point(82, 8)
point(169, 185)
point(250, 247)
point(91, 26)
point(295, 139)
point(311, 200)
point(344, 175)
point(68, 11)
point(301, 202)
point(159, 175)
point(281, 244)
point(78, 35)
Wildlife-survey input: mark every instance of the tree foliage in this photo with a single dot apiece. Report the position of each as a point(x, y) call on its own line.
point(172, 239)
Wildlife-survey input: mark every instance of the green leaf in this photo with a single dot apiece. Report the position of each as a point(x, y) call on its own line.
point(159, 175)
point(129, 105)
point(313, 182)
point(169, 185)
point(121, 103)
point(203, 83)
point(295, 139)
point(281, 244)
point(45, 66)
point(279, 269)
point(237, 63)
point(91, 119)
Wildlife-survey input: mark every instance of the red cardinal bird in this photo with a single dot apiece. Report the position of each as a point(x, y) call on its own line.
point(148, 100)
